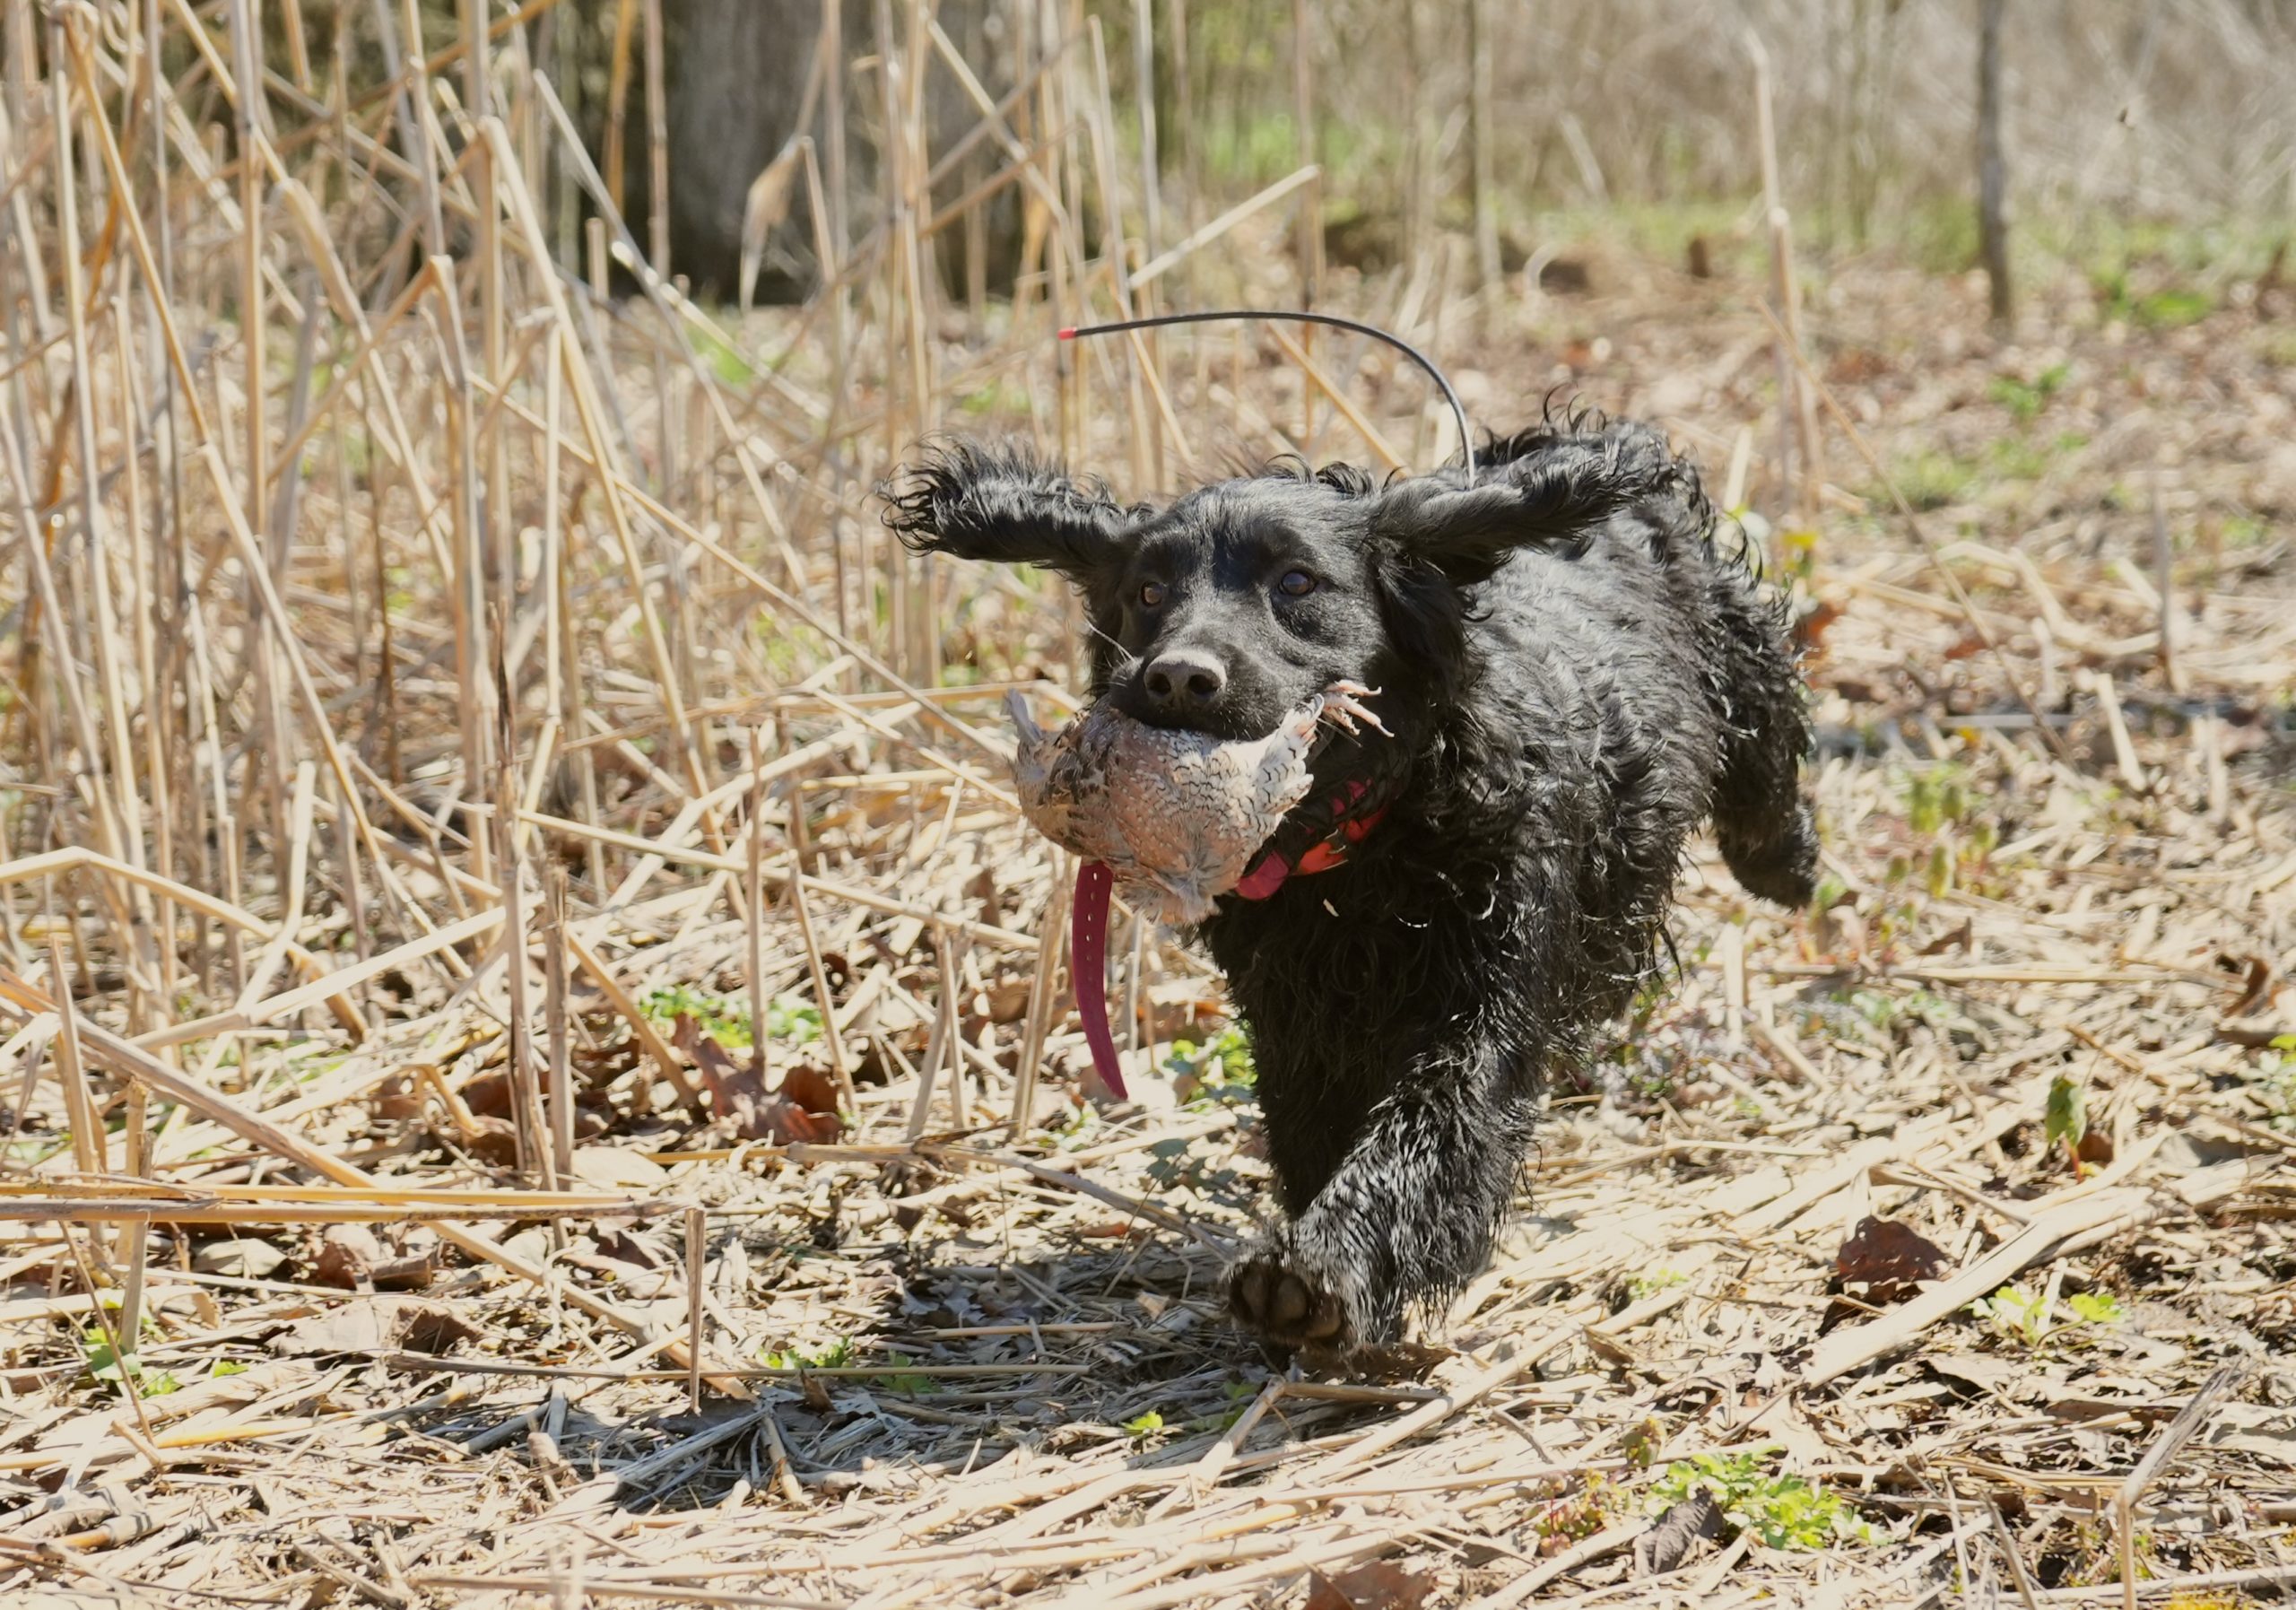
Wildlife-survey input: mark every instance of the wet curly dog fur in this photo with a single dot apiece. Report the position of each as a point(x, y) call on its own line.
point(1576, 677)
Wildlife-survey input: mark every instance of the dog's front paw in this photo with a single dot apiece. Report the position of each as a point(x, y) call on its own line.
point(1288, 1305)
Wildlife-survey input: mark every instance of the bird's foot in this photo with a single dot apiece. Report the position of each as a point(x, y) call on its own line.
point(1341, 704)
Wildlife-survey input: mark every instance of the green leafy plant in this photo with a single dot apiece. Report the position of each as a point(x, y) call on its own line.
point(792, 1020)
point(836, 1355)
point(1936, 797)
point(1781, 1511)
point(1219, 1070)
point(2168, 309)
point(2022, 458)
point(1145, 1425)
point(909, 1382)
point(2065, 1117)
point(789, 1019)
point(2096, 1308)
point(2025, 399)
point(1576, 1517)
point(104, 1364)
point(1933, 480)
point(2026, 1316)
point(1655, 1282)
point(2173, 309)
point(1950, 837)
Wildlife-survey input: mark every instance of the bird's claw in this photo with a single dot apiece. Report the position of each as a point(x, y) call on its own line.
point(1341, 704)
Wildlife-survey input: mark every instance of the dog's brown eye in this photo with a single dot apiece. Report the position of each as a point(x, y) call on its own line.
point(1297, 583)
point(1151, 594)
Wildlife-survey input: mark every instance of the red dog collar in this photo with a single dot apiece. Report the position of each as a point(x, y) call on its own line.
point(1088, 930)
point(1269, 872)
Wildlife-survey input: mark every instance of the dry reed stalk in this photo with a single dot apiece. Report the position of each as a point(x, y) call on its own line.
point(245, 24)
point(616, 155)
point(1913, 524)
point(98, 789)
point(1225, 223)
point(696, 1230)
point(71, 1075)
point(537, 1155)
point(754, 914)
point(129, 1061)
point(816, 961)
point(1143, 91)
point(1481, 134)
point(555, 1010)
point(1339, 399)
point(1800, 447)
point(657, 140)
point(137, 1163)
point(1041, 991)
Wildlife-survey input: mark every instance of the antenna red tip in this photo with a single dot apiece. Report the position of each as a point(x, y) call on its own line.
point(1069, 334)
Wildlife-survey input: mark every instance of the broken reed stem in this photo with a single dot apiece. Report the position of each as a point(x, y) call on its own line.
point(697, 1230)
point(1050, 931)
point(537, 1156)
point(753, 916)
point(816, 962)
point(657, 140)
point(138, 1236)
point(1798, 441)
point(937, 1049)
point(617, 147)
point(87, 1131)
point(554, 1008)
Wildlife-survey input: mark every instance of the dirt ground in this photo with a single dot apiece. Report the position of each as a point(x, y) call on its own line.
point(1802, 1239)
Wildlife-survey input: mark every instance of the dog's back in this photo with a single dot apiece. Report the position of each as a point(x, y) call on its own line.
point(1654, 607)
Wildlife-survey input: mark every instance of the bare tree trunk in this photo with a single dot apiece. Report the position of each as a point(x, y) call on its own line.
point(1486, 218)
point(1992, 166)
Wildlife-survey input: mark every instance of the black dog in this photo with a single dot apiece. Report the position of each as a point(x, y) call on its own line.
point(1574, 678)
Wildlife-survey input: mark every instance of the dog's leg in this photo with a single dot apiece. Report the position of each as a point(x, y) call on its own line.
point(1408, 1216)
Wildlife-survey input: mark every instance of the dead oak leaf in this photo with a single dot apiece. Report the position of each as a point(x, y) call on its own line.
point(383, 1324)
point(1888, 1258)
point(1379, 1586)
point(804, 1108)
point(1669, 1541)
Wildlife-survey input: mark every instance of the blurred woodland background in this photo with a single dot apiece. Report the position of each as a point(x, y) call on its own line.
point(2125, 119)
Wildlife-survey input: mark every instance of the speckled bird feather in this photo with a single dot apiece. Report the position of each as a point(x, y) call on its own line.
point(1176, 815)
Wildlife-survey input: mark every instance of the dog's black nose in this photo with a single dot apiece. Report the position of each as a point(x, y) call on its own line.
point(1184, 682)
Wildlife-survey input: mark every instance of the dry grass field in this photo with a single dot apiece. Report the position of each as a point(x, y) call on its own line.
point(537, 1060)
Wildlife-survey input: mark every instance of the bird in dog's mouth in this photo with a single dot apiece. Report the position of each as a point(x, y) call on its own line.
point(1178, 818)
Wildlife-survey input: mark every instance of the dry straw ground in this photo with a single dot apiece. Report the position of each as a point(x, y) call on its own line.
point(394, 607)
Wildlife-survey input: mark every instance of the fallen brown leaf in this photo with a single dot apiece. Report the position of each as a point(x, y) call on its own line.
point(804, 1109)
point(375, 1327)
point(1379, 1586)
point(348, 1255)
point(1670, 1539)
point(1888, 1258)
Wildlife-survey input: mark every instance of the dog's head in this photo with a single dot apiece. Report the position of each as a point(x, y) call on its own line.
point(1235, 602)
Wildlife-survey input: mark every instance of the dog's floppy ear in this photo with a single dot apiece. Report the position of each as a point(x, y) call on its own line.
point(978, 500)
point(1554, 498)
